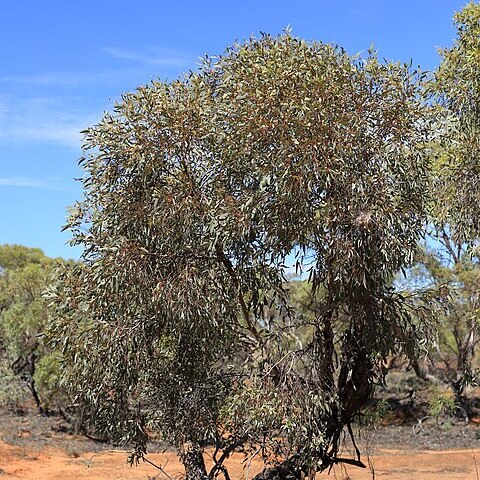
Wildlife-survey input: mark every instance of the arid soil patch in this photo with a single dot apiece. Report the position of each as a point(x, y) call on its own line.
point(38, 448)
point(49, 463)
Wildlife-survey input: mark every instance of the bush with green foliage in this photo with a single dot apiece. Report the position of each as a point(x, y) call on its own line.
point(24, 360)
point(196, 192)
point(451, 261)
point(455, 89)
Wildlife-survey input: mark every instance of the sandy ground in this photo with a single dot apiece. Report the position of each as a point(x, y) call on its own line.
point(48, 463)
point(42, 448)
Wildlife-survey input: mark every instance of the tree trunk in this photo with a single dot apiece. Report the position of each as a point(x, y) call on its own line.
point(31, 383)
point(293, 469)
point(191, 455)
point(462, 403)
point(287, 470)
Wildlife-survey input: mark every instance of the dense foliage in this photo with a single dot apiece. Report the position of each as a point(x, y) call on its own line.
point(451, 261)
point(197, 193)
point(456, 89)
point(454, 273)
point(24, 360)
point(244, 230)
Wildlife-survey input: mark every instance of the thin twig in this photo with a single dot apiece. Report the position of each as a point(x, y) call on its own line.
point(158, 467)
point(349, 461)
point(101, 453)
point(352, 437)
point(249, 463)
point(229, 267)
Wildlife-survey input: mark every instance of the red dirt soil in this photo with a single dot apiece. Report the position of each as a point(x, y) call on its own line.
point(49, 463)
point(37, 447)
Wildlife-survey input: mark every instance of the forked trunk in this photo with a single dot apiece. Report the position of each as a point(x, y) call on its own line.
point(289, 469)
point(191, 456)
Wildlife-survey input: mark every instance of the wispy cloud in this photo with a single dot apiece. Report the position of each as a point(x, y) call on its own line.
point(26, 182)
point(42, 120)
point(151, 56)
point(71, 79)
point(57, 117)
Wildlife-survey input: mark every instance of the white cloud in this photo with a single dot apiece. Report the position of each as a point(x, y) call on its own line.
point(71, 79)
point(151, 56)
point(59, 118)
point(45, 184)
point(42, 120)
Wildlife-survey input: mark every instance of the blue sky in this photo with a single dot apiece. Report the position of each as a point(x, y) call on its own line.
point(64, 63)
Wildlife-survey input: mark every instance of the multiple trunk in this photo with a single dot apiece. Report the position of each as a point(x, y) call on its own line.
point(25, 367)
point(354, 389)
point(191, 455)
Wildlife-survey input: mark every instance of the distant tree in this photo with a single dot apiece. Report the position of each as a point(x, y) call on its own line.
point(24, 360)
point(456, 89)
point(455, 275)
point(451, 261)
point(196, 191)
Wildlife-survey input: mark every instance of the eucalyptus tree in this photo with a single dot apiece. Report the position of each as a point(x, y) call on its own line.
point(453, 271)
point(24, 361)
point(452, 257)
point(456, 89)
point(197, 193)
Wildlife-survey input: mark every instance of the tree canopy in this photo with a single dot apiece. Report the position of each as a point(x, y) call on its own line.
point(451, 259)
point(24, 361)
point(456, 89)
point(198, 192)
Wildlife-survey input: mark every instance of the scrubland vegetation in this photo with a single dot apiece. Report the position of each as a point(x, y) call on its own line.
point(278, 249)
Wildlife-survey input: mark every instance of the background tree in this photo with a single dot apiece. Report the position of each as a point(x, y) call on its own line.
point(196, 192)
point(24, 274)
point(456, 89)
point(451, 258)
point(454, 275)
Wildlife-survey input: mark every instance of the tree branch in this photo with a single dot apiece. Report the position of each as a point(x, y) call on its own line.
point(229, 267)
